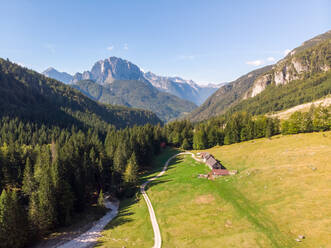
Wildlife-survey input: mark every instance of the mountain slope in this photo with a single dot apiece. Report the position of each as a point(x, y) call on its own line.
point(226, 96)
point(59, 76)
point(134, 93)
point(302, 76)
point(185, 89)
point(28, 95)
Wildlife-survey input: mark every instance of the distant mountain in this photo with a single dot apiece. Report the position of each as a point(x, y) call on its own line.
point(138, 94)
point(30, 96)
point(60, 76)
point(185, 89)
point(302, 76)
point(113, 68)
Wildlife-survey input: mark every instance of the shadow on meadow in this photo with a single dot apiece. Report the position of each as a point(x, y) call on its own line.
point(124, 213)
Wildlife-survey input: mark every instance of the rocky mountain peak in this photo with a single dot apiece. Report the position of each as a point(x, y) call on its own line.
point(111, 69)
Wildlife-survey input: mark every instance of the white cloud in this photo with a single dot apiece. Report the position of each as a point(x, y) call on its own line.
point(270, 59)
point(126, 47)
point(286, 51)
point(255, 62)
point(109, 48)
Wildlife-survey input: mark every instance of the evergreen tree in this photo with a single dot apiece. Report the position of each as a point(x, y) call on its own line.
point(63, 195)
point(13, 223)
point(269, 130)
point(131, 171)
point(120, 157)
point(42, 210)
point(186, 145)
point(28, 179)
point(200, 140)
point(101, 200)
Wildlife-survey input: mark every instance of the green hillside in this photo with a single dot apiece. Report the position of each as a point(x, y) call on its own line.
point(227, 96)
point(30, 96)
point(280, 192)
point(137, 94)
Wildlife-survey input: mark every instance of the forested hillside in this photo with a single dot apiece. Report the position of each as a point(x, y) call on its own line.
point(30, 96)
point(49, 175)
point(138, 94)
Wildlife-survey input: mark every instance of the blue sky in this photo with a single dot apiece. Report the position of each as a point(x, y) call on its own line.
point(207, 41)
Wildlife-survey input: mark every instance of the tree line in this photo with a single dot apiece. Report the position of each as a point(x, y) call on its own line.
point(242, 126)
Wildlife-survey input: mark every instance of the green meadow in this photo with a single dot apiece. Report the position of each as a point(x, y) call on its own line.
point(281, 190)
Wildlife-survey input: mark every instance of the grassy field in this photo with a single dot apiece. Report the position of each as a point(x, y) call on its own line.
point(282, 190)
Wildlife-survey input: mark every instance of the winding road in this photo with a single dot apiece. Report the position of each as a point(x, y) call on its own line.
point(156, 228)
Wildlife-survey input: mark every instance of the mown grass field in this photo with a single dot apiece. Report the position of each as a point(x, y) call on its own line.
point(282, 190)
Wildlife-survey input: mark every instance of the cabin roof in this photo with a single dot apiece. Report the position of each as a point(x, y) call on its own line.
point(211, 161)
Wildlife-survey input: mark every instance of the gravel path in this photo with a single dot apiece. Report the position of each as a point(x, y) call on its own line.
point(90, 237)
point(156, 229)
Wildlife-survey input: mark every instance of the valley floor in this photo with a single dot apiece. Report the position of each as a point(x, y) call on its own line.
point(281, 191)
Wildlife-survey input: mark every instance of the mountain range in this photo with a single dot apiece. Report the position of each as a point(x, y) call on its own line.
point(119, 82)
point(108, 70)
point(185, 89)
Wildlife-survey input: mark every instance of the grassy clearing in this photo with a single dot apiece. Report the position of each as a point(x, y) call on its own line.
point(282, 190)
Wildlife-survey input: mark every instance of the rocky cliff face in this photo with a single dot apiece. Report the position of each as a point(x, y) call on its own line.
point(111, 69)
point(297, 65)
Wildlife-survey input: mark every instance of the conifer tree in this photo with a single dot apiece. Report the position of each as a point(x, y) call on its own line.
point(13, 223)
point(28, 179)
point(4, 218)
point(101, 200)
point(186, 145)
point(200, 140)
point(63, 194)
point(131, 171)
point(42, 210)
